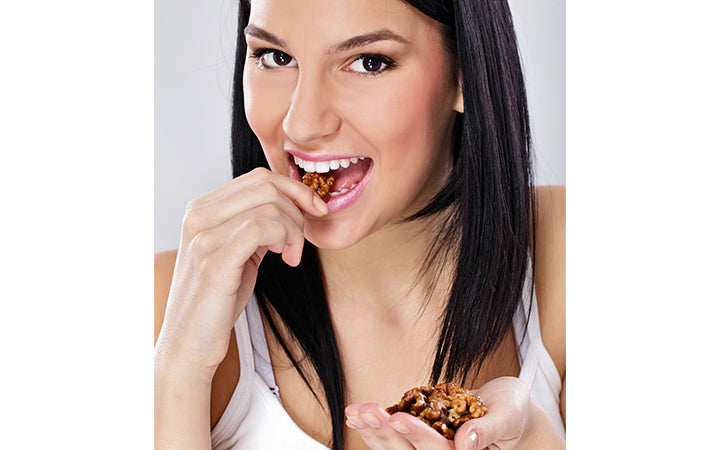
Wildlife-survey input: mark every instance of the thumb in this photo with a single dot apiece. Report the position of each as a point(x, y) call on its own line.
point(480, 433)
point(481, 436)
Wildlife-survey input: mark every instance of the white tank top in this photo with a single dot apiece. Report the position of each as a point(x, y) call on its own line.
point(255, 418)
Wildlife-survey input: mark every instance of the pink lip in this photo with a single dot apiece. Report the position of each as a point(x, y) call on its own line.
point(315, 158)
point(341, 201)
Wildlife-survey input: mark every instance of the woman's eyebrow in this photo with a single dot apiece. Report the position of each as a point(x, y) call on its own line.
point(265, 35)
point(368, 38)
point(348, 44)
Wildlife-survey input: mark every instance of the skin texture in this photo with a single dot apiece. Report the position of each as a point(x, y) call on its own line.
point(322, 105)
point(320, 102)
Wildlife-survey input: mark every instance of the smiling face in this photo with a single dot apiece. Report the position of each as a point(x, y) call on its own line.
point(360, 90)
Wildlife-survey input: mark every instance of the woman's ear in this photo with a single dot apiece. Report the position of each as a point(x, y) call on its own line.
point(459, 105)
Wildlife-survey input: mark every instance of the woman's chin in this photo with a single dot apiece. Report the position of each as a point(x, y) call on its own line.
point(331, 235)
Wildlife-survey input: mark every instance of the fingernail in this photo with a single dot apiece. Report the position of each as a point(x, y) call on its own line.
point(371, 420)
point(355, 421)
point(400, 427)
point(471, 439)
point(320, 205)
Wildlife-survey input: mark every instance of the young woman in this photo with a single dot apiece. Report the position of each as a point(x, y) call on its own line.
point(287, 321)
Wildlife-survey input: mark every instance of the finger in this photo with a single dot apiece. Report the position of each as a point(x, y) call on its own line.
point(482, 432)
point(301, 195)
point(225, 267)
point(292, 240)
point(271, 229)
point(418, 433)
point(214, 213)
point(508, 400)
point(233, 186)
point(247, 283)
point(371, 421)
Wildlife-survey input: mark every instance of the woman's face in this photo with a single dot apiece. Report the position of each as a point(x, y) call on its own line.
point(361, 80)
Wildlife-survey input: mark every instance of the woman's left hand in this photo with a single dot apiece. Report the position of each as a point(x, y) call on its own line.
point(505, 426)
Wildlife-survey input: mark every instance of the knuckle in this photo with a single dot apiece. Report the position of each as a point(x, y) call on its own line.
point(204, 243)
point(250, 229)
point(260, 173)
point(190, 223)
point(272, 211)
point(192, 204)
point(267, 191)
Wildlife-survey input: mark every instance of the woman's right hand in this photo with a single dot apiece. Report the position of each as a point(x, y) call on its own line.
point(225, 235)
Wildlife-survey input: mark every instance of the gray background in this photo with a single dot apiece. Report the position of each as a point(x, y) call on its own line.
point(194, 53)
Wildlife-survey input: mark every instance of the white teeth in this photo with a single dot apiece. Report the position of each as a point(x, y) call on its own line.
point(326, 166)
point(334, 194)
point(322, 166)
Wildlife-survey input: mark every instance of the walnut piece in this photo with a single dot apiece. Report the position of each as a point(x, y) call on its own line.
point(320, 183)
point(444, 407)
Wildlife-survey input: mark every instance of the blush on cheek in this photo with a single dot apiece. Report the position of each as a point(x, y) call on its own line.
point(416, 120)
point(253, 98)
point(264, 113)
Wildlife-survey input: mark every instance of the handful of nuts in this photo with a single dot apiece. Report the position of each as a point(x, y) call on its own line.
point(319, 183)
point(445, 407)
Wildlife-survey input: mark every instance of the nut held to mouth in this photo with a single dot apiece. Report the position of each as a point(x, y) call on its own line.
point(320, 183)
point(444, 407)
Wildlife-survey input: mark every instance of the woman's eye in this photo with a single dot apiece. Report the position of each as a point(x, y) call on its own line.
point(274, 58)
point(370, 64)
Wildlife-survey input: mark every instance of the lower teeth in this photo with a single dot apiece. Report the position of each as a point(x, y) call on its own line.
point(334, 194)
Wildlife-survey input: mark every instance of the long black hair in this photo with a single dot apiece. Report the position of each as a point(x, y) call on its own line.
point(488, 199)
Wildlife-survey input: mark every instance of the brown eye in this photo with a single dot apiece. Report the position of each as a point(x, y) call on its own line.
point(281, 59)
point(371, 64)
point(273, 59)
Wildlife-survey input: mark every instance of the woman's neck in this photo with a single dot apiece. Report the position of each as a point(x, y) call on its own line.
point(384, 271)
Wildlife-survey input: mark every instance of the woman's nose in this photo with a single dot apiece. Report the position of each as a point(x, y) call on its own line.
point(311, 115)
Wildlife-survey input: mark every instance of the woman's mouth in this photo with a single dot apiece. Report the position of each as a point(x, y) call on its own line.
point(351, 175)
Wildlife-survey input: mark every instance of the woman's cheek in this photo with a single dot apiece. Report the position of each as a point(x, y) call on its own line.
point(263, 108)
point(410, 124)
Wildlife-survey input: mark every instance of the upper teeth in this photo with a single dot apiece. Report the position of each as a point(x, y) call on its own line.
point(326, 166)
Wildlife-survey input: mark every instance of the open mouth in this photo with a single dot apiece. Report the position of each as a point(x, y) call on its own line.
point(350, 176)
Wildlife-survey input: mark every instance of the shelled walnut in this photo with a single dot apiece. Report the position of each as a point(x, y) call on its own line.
point(320, 183)
point(445, 407)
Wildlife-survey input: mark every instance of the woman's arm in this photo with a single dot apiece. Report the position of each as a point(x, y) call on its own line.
point(182, 395)
point(550, 276)
point(225, 235)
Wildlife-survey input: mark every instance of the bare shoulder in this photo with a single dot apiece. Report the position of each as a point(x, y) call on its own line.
point(550, 270)
point(164, 268)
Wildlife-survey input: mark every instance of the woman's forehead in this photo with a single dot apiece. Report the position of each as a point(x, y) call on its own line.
point(333, 21)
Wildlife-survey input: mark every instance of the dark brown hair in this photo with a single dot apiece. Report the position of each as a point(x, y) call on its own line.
point(488, 198)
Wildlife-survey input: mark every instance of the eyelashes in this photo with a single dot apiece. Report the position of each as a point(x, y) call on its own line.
point(370, 64)
point(366, 64)
point(268, 58)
